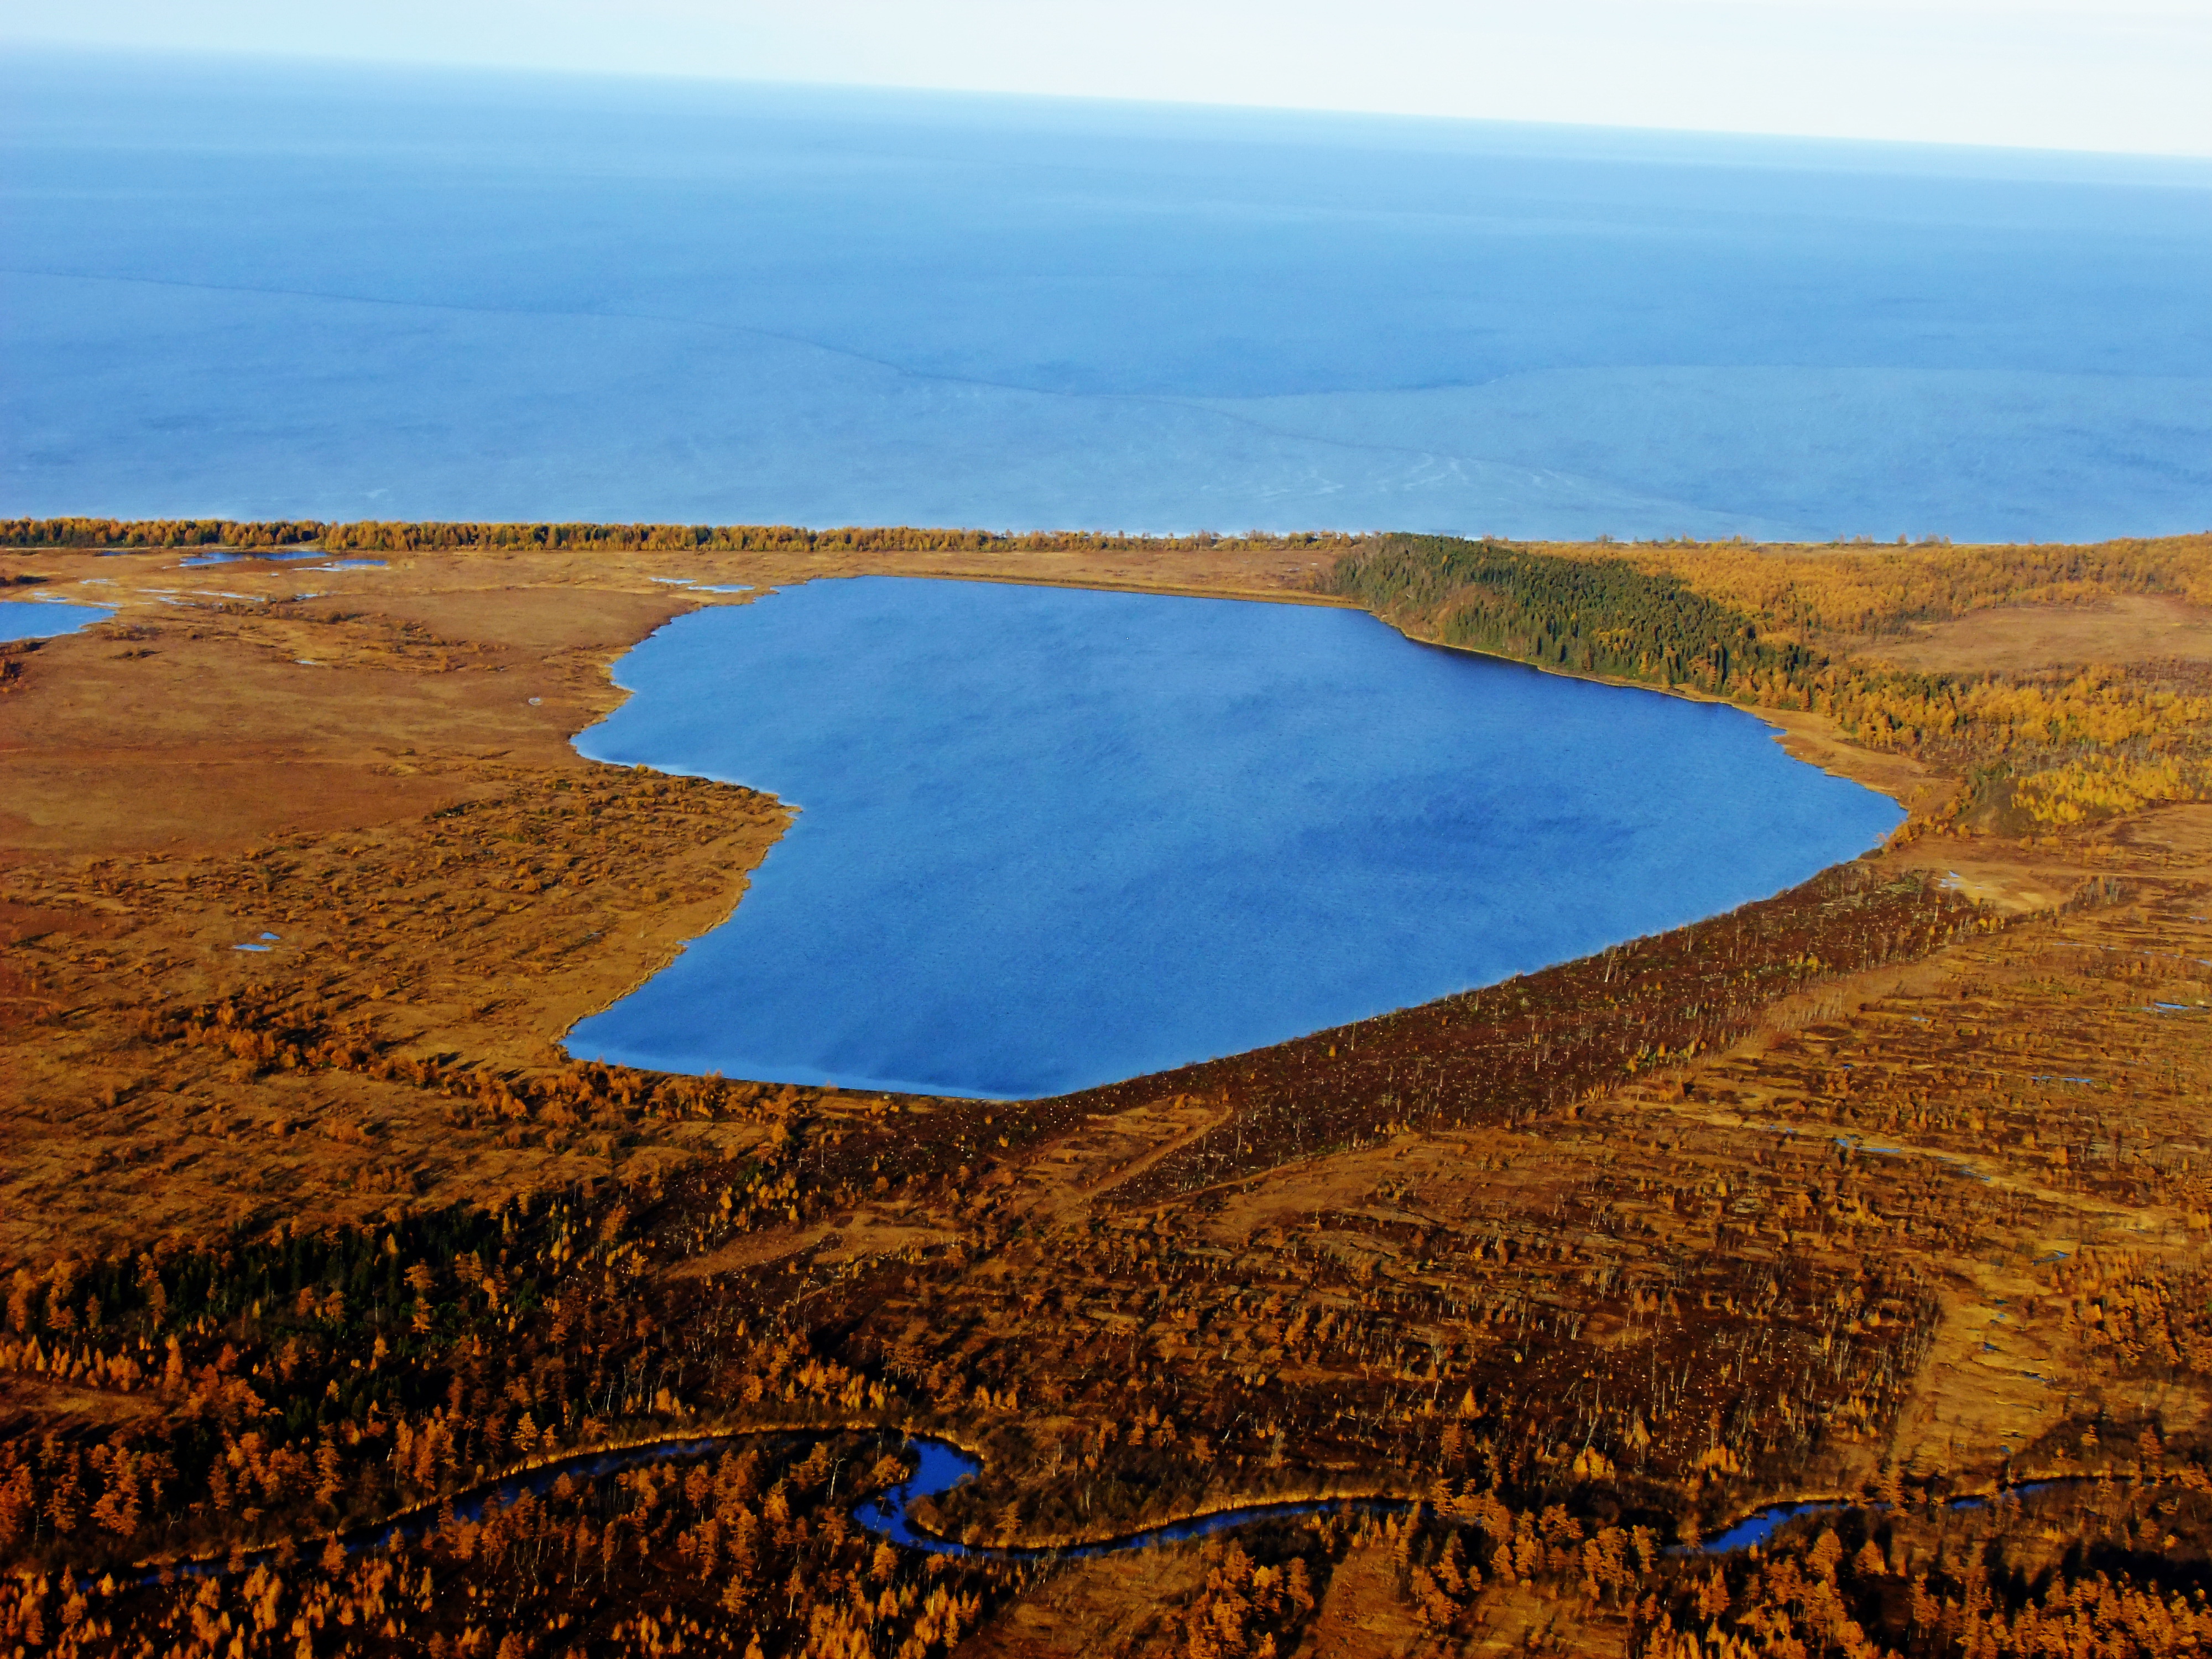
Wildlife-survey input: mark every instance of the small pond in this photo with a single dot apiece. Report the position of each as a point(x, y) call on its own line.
point(1049, 838)
point(33, 619)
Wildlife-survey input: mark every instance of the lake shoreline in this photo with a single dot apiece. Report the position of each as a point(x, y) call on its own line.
point(1234, 823)
point(139, 741)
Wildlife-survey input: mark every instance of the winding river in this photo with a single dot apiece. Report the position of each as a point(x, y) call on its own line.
point(940, 1466)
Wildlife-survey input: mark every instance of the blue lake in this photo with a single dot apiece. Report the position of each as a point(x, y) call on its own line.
point(276, 288)
point(1050, 838)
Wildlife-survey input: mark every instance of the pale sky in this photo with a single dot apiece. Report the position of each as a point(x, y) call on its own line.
point(2122, 74)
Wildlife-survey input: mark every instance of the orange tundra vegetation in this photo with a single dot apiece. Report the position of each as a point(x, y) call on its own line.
point(1888, 1196)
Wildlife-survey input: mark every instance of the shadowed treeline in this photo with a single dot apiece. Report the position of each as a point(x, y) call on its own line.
point(1792, 628)
point(369, 536)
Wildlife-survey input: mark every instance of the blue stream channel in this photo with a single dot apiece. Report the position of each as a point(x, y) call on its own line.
point(1050, 838)
point(940, 1466)
point(1762, 1524)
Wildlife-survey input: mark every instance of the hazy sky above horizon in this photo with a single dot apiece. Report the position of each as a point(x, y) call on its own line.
point(2119, 75)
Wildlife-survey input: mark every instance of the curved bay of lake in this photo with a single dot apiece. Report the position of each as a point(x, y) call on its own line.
point(1049, 838)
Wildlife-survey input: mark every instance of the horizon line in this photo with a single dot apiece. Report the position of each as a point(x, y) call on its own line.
point(12, 44)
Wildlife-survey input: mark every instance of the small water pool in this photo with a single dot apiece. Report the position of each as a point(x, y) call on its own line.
point(694, 585)
point(225, 556)
point(45, 619)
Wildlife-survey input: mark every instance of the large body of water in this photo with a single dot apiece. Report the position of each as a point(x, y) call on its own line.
point(1051, 838)
point(282, 290)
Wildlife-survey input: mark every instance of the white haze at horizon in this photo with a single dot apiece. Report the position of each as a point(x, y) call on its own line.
point(2124, 76)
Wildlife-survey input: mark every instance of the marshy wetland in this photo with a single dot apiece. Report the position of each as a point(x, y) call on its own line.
point(1883, 1190)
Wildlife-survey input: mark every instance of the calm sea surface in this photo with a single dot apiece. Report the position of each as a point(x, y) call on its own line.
point(267, 289)
point(1051, 838)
